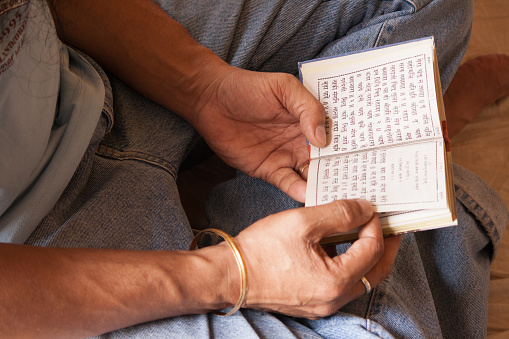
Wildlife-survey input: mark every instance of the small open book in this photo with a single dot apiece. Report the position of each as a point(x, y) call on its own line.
point(387, 136)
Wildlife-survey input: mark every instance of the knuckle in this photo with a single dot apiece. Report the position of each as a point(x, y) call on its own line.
point(345, 212)
point(281, 180)
point(284, 80)
point(323, 311)
point(288, 77)
point(331, 293)
point(337, 292)
point(378, 248)
point(301, 221)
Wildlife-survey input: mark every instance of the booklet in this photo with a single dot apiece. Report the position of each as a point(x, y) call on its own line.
point(386, 136)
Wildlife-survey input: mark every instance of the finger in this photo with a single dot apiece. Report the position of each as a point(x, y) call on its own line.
point(290, 182)
point(305, 107)
point(382, 268)
point(303, 170)
point(364, 253)
point(337, 217)
point(314, 132)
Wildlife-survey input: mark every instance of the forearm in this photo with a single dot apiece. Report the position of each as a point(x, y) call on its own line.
point(58, 292)
point(143, 46)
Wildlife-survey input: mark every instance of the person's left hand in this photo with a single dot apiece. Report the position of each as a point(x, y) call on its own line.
point(258, 123)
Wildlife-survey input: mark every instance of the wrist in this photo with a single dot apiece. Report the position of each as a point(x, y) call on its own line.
point(199, 81)
point(216, 282)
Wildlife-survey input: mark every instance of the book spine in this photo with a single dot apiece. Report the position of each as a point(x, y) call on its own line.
point(447, 142)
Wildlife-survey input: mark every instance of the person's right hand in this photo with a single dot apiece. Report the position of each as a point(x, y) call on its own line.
point(290, 273)
point(258, 122)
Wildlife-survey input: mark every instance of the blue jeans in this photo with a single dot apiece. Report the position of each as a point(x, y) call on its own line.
point(124, 195)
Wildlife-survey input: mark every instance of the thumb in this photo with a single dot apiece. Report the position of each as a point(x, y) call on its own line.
point(338, 217)
point(309, 110)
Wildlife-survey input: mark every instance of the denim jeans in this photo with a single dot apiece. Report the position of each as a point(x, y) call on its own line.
point(124, 195)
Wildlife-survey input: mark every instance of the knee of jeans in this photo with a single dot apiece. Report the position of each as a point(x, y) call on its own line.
point(448, 21)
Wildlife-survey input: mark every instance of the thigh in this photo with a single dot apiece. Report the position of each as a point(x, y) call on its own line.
point(439, 283)
point(275, 35)
point(124, 195)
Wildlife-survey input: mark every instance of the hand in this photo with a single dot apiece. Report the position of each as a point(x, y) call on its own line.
point(290, 273)
point(259, 122)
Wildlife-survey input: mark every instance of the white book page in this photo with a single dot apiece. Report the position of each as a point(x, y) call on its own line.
point(403, 218)
point(409, 221)
point(409, 177)
point(376, 101)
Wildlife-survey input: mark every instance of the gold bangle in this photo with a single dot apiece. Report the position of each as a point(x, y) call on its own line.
point(240, 262)
point(303, 167)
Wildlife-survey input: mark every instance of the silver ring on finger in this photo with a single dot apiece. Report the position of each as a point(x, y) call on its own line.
point(366, 283)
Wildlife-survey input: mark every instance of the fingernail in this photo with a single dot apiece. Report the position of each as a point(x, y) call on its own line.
point(320, 135)
point(367, 208)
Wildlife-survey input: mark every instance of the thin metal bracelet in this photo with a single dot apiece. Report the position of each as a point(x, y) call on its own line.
point(240, 262)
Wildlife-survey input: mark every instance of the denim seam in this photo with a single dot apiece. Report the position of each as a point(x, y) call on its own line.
point(108, 92)
point(480, 214)
point(474, 208)
point(307, 335)
point(382, 30)
point(368, 310)
point(386, 22)
point(105, 151)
